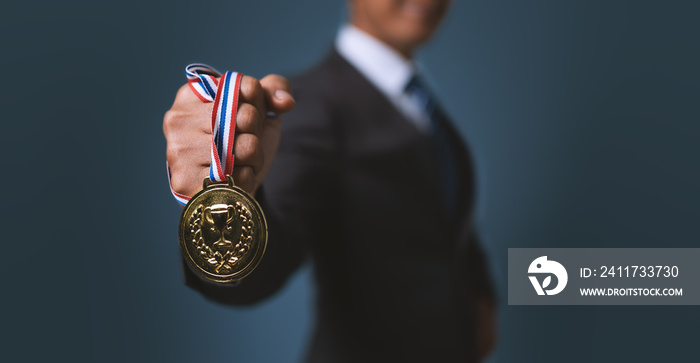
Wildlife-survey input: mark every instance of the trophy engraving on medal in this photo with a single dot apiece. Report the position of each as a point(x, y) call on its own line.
point(218, 223)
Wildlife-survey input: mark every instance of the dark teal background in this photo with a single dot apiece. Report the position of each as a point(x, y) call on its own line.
point(583, 118)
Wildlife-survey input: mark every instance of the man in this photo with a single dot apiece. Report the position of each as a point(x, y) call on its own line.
point(371, 183)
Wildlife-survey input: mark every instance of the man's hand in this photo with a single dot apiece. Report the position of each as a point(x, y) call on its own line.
point(187, 129)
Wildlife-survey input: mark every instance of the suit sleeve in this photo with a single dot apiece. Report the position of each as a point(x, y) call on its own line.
point(295, 196)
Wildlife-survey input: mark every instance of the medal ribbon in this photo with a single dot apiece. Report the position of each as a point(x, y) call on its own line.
point(224, 93)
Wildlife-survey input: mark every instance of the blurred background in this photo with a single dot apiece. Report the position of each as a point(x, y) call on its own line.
point(583, 118)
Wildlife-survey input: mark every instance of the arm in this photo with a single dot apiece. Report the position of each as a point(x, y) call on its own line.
point(187, 130)
point(295, 196)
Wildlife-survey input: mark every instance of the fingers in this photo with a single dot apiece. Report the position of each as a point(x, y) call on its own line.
point(185, 95)
point(251, 92)
point(248, 119)
point(244, 177)
point(187, 182)
point(247, 146)
point(251, 110)
point(278, 94)
point(189, 164)
point(271, 94)
point(248, 152)
point(188, 113)
point(187, 129)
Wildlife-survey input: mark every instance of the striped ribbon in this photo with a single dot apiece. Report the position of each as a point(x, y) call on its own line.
point(224, 94)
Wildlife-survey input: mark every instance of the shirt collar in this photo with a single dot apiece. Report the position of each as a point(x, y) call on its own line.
point(384, 67)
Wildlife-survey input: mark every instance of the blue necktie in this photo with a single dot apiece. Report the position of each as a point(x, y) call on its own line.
point(444, 148)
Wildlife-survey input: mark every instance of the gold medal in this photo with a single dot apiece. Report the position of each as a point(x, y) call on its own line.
point(223, 232)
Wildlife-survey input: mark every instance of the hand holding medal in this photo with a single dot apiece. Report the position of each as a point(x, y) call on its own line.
point(223, 231)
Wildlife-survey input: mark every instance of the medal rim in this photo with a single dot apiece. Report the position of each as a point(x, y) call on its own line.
point(260, 251)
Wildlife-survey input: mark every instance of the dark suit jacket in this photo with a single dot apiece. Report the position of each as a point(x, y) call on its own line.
point(355, 188)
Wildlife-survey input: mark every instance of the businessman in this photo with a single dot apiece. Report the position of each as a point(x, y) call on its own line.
point(366, 178)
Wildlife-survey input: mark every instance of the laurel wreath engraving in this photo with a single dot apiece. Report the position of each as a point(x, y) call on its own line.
point(222, 263)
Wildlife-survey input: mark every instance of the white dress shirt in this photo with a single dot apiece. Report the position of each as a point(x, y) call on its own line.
point(385, 68)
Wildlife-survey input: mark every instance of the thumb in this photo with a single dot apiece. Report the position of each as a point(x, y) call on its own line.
point(278, 94)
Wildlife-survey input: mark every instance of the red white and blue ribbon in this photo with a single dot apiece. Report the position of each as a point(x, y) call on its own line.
point(224, 93)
